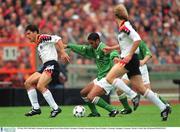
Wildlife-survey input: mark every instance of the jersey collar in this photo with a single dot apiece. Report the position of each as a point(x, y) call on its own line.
point(99, 46)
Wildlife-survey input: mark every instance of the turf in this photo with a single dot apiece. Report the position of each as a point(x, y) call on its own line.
point(145, 116)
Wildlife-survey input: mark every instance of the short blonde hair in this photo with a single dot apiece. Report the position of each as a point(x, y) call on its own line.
point(120, 12)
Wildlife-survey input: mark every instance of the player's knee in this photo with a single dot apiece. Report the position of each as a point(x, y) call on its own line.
point(83, 93)
point(109, 80)
point(27, 84)
point(41, 88)
point(90, 98)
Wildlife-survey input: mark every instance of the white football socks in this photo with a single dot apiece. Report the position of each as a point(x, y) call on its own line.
point(150, 95)
point(50, 100)
point(32, 94)
point(118, 83)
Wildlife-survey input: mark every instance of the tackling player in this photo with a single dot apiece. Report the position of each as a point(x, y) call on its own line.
point(104, 63)
point(46, 46)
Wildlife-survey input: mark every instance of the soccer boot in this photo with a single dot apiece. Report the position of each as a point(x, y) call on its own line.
point(170, 108)
point(33, 112)
point(136, 101)
point(54, 113)
point(94, 115)
point(113, 113)
point(126, 111)
point(165, 113)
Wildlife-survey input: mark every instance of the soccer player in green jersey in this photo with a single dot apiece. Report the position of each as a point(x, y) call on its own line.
point(144, 55)
point(104, 63)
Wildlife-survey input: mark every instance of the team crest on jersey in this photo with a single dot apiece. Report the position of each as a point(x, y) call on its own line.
point(97, 56)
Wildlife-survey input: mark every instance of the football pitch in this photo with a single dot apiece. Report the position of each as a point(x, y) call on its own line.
point(145, 116)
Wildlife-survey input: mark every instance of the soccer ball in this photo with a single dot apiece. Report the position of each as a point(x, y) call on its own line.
point(79, 111)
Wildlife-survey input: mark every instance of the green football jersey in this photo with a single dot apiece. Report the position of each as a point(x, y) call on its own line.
point(143, 50)
point(104, 62)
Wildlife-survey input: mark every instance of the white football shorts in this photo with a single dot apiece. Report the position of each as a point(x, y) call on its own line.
point(103, 84)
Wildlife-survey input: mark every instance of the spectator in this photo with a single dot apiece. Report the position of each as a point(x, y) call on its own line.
point(156, 21)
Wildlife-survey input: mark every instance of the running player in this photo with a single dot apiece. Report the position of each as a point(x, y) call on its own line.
point(144, 55)
point(46, 46)
point(129, 41)
point(104, 63)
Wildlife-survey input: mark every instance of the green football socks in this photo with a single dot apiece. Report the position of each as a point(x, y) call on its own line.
point(91, 106)
point(103, 104)
point(124, 101)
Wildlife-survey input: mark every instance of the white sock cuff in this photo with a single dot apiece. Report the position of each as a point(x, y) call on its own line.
point(46, 92)
point(85, 99)
point(105, 81)
point(146, 93)
point(32, 90)
point(95, 100)
point(115, 82)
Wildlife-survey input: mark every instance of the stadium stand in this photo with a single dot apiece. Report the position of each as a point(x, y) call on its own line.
point(156, 21)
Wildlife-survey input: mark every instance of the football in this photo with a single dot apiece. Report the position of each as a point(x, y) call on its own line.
point(79, 111)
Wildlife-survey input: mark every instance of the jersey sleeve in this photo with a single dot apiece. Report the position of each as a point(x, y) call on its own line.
point(145, 51)
point(114, 54)
point(84, 50)
point(132, 33)
point(55, 38)
point(49, 38)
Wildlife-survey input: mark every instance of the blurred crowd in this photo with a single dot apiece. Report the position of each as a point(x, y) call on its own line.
point(157, 21)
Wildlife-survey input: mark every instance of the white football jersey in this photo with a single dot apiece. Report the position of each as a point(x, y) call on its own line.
point(126, 38)
point(46, 47)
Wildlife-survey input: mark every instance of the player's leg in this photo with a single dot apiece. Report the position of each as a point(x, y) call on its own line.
point(44, 80)
point(112, 78)
point(124, 101)
point(123, 98)
point(84, 92)
point(136, 82)
point(148, 86)
point(94, 97)
point(32, 94)
point(146, 81)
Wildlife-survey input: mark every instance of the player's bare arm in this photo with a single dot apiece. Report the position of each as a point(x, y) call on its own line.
point(64, 56)
point(108, 49)
point(116, 60)
point(145, 60)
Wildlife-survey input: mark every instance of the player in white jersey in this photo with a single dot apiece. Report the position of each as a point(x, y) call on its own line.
point(46, 46)
point(129, 41)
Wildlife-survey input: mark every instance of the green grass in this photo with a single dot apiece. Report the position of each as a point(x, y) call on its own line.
point(145, 116)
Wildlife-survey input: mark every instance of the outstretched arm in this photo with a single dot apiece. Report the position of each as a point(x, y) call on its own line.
point(108, 49)
point(84, 50)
